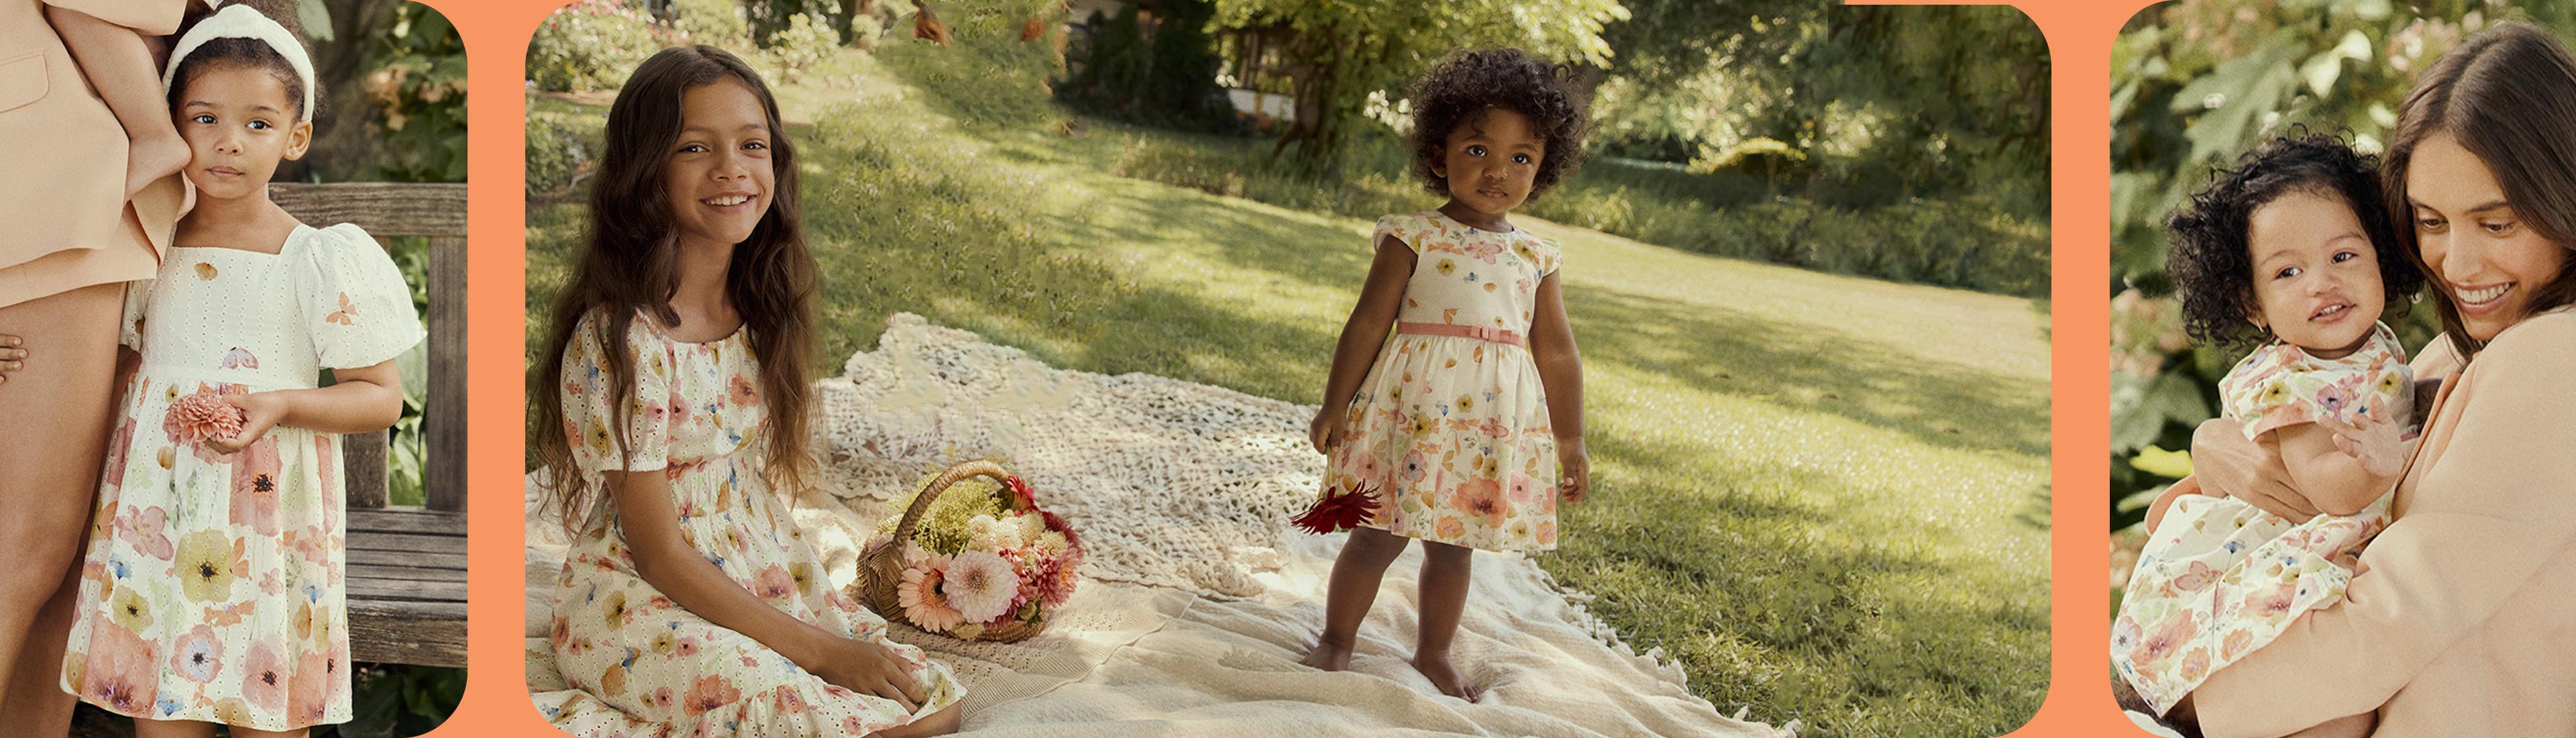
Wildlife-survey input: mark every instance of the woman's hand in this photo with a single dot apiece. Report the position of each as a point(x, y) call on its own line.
point(12, 358)
point(2227, 463)
point(868, 668)
point(1574, 471)
point(260, 412)
point(1325, 431)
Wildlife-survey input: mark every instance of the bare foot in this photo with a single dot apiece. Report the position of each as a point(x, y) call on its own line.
point(153, 158)
point(1447, 677)
point(1329, 655)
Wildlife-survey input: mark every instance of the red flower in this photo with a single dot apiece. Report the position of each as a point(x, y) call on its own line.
point(1022, 498)
point(1339, 511)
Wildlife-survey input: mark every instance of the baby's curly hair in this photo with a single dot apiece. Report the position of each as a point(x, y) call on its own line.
point(2210, 261)
point(1468, 82)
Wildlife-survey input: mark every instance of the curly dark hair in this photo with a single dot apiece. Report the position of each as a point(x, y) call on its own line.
point(1468, 82)
point(2211, 262)
point(229, 53)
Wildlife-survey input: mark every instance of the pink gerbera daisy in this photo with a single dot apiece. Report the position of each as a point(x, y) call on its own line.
point(923, 603)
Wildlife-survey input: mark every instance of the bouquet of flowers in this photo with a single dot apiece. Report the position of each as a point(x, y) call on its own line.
point(971, 556)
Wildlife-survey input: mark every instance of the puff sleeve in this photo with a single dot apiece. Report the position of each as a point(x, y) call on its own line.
point(356, 305)
point(590, 397)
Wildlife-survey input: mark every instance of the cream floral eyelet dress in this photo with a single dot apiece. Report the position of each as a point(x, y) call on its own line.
point(639, 664)
point(1451, 425)
point(213, 587)
point(2220, 577)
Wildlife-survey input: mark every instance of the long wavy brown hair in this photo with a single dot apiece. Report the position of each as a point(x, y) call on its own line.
point(2508, 95)
point(630, 265)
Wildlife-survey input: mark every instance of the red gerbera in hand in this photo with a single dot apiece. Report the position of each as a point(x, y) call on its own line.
point(1339, 511)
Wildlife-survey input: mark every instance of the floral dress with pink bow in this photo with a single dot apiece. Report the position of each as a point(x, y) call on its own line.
point(639, 664)
point(1450, 428)
point(213, 586)
point(2220, 577)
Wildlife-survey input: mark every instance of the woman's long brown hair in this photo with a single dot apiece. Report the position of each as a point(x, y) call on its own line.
point(2508, 95)
point(631, 264)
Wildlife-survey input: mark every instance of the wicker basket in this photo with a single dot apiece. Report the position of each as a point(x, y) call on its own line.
point(881, 566)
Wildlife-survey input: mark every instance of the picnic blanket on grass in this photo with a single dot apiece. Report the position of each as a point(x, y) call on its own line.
point(1197, 601)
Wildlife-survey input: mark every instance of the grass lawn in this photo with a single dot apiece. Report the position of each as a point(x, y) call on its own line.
point(1825, 496)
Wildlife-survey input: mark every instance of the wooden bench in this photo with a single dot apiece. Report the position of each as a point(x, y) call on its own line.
point(406, 575)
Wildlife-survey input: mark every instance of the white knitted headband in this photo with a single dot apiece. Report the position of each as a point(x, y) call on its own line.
point(241, 21)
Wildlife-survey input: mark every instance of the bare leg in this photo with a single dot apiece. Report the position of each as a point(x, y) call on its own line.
point(1352, 589)
point(119, 64)
point(2348, 726)
point(57, 411)
point(241, 732)
point(942, 722)
point(1445, 570)
point(183, 729)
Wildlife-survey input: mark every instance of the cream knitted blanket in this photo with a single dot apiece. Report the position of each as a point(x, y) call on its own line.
point(1197, 601)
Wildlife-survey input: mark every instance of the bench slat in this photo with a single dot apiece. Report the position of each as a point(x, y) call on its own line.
point(396, 590)
point(424, 633)
point(367, 557)
point(405, 573)
point(406, 520)
point(405, 542)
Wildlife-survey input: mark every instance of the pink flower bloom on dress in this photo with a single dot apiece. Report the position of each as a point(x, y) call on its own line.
point(980, 585)
point(2273, 602)
point(709, 694)
point(1371, 471)
point(199, 656)
point(255, 487)
point(1415, 466)
point(743, 393)
point(1524, 490)
point(123, 674)
point(264, 679)
point(1482, 499)
point(309, 695)
point(923, 604)
point(773, 583)
point(117, 447)
point(200, 417)
point(2163, 642)
point(146, 529)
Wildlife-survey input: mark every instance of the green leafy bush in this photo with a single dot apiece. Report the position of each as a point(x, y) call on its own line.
point(719, 23)
point(801, 46)
point(589, 45)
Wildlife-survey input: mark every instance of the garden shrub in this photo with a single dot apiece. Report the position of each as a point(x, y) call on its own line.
point(589, 45)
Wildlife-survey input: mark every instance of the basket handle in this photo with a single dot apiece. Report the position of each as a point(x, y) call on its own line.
point(939, 485)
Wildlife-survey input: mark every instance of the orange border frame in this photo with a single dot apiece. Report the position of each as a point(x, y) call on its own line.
point(2080, 33)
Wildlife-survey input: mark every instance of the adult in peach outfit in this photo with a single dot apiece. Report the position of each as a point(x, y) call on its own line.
point(73, 240)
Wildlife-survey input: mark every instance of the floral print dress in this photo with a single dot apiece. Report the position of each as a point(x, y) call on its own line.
point(638, 663)
point(1451, 426)
point(2219, 577)
point(213, 585)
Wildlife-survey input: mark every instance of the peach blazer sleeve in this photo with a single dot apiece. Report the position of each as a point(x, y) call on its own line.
point(153, 17)
point(70, 224)
point(2493, 499)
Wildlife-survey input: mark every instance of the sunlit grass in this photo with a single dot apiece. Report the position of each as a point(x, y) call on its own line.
point(1825, 496)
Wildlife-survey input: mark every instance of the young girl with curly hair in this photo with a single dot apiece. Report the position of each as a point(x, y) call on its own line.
point(2292, 247)
point(1467, 426)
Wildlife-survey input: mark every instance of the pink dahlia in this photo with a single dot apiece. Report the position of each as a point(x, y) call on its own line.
point(981, 585)
point(924, 604)
point(202, 416)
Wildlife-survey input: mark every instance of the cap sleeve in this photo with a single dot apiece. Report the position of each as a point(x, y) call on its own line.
point(1551, 257)
point(129, 329)
point(1407, 229)
point(355, 302)
point(589, 397)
